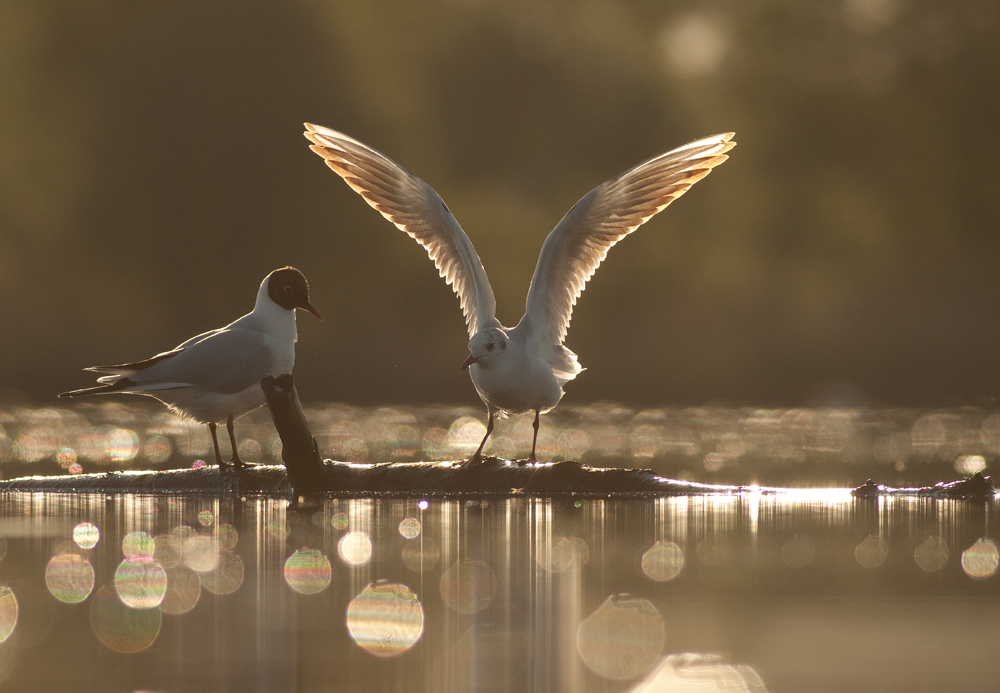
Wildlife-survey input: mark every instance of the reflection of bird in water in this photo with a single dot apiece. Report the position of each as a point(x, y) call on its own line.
point(216, 376)
point(523, 368)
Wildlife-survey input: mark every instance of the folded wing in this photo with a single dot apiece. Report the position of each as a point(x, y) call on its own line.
point(581, 240)
point(415, 208)
point(226, 362)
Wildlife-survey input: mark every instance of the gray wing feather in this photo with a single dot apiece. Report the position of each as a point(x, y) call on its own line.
point(227, 361)
point(416, 209)
point(581, 240)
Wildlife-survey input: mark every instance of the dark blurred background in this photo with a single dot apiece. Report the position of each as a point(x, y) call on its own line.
point(153, 171)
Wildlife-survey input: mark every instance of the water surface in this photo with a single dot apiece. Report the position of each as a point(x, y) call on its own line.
point(808, 591)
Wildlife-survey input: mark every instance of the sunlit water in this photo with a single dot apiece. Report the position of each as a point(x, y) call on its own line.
point(809, 591)
point(784, 447)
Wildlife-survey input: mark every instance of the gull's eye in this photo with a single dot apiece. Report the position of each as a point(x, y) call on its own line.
point(288, 289)
point(489, 347)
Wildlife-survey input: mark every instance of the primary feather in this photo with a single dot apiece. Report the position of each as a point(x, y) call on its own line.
point(581, 240)
point(415, 208)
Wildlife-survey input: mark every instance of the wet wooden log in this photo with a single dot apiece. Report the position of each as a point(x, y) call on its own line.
point(976, 486)
point(298, 447)
point(495, 477)
point(305, 473)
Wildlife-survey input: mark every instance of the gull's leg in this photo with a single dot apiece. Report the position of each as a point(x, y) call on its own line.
point(237, 462)
point(215, 442)
point(534, 440)
point(478, 457)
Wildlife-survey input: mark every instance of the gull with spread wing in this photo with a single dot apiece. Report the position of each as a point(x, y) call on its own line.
point(215, 376)
point(522, 368)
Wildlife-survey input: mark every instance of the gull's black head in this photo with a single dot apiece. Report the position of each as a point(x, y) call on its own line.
point(289, 289)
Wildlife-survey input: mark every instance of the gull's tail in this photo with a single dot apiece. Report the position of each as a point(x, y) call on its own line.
point(116, 386)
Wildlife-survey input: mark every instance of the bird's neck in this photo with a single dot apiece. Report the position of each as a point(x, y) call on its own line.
point(272, 318)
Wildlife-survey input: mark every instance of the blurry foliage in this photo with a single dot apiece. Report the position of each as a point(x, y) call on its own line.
point(152, 171)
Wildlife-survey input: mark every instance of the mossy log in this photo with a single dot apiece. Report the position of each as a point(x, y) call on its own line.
point(306, 473)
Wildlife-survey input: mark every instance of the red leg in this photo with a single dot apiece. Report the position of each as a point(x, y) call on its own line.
point(237, 462)
point(478, 457)
point(215, 442)
point(534, 440)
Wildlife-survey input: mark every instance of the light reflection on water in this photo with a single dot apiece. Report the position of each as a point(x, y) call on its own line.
point(818, 447)
point(800, 591)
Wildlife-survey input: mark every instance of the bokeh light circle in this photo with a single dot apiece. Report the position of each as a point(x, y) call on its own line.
point(409, 528)
point(277, 530)
point(932, 555)
point(123, 445)
point(8, 612)
point(226, 577)
point(138, 544)
point(140, 582)
point(69, 578)
point(970, 464)
point(386, 619)
point(562, 553)
point(120, 628)
point(355, 548)
point(980, 560)
point(86, 535)
point(183, 591)
point(308, 571)
point(663, 561)
point(464, 435)
point(622, 639)
point(872, 552)
point(183, 535)
point(156, 449)
point(66, 457)
point(226, 536)
point(201, 554)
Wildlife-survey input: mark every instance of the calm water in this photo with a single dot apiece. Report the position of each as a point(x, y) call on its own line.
point(775, 447)
point(809, 591)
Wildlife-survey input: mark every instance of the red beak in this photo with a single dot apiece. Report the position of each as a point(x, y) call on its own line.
point(308, 306)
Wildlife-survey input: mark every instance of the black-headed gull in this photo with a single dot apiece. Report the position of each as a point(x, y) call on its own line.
point(215, 376)
point(523, 368)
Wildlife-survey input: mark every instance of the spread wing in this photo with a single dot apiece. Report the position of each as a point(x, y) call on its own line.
point(416, 209)
point(581, 240)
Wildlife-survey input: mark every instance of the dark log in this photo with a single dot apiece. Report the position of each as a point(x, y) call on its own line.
point(298, 447)
point(494, 477)
point(973, 487)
